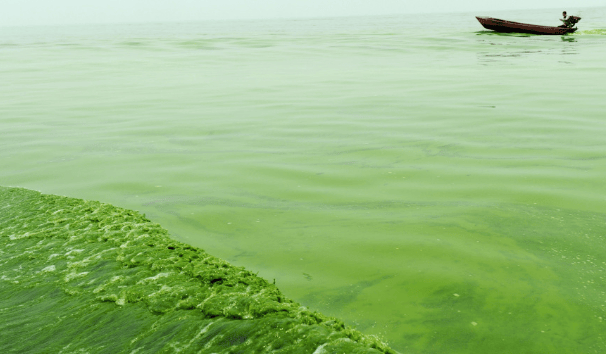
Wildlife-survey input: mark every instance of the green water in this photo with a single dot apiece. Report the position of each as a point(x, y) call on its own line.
point(80, 276)
point(421, 179)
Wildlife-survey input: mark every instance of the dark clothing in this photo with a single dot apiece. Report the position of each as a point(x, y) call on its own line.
point(568, 22)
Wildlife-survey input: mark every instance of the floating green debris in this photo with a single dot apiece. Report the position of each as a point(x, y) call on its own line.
point(83, 276)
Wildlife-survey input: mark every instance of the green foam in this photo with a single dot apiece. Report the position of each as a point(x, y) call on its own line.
point(83, 276)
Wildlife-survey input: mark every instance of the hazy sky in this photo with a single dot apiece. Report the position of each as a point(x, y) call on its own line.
point(43, 12)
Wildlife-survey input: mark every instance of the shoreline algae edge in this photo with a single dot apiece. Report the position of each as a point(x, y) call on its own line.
point(84, 276)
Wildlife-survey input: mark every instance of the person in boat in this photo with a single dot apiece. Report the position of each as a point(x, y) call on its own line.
point(569, 22)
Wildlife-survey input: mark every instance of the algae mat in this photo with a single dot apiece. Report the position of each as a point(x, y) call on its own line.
point(83, 276)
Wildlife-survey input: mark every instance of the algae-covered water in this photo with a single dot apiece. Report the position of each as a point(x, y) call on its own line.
point(417, 177)
point(86, 277)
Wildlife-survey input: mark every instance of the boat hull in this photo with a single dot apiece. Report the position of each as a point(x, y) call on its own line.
point(504, 26)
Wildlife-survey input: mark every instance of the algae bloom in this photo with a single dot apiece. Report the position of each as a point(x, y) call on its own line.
point(83, 276)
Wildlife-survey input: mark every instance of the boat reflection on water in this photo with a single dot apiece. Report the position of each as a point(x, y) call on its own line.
point(564, 38)
point(568, 39)
point(503, 47)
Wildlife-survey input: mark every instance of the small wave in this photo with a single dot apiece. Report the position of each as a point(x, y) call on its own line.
point(79, 276)
point(598, 31)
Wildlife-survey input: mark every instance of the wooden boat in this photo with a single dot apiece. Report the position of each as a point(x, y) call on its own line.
point(499, 25)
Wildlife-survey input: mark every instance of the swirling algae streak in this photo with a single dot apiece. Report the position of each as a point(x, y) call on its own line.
point(87, 277)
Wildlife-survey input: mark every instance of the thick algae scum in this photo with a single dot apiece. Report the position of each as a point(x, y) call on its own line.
point(83, 276)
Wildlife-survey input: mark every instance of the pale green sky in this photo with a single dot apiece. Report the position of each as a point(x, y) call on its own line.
point(54, 12)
